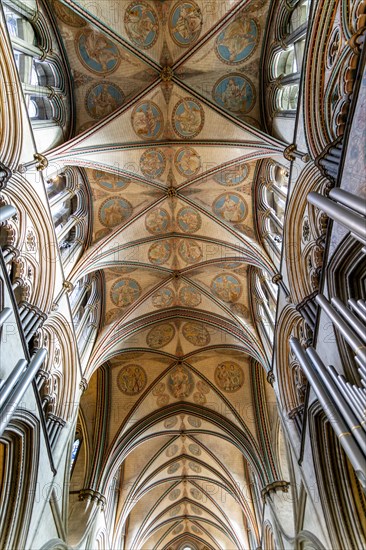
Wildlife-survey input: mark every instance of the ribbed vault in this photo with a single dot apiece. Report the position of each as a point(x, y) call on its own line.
point(169, 137)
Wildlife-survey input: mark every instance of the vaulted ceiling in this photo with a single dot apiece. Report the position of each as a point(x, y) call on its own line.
point(168, 131)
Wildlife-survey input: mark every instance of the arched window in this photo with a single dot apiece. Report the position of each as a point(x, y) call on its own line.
point(40, 70)
point(85, 307)
point(68, 201)
point(74, 452)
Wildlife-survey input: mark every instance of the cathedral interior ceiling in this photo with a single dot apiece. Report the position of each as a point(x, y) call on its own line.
point(168, 131)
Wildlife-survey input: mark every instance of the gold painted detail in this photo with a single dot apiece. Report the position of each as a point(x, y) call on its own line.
point(166, 74)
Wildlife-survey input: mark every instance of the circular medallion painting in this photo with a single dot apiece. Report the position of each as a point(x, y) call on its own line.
point(196, 333)
point(162, 400)
point(163, 297)
point(110, 182)
point(159, 389)
point(173, 468)
point(114, 211)
point(226, 287)
point(232, 176)
point(96, 52)
point(131, 379)
point(202, 386)
point(180, 382)
point(196, 468)
point(189, 220)
point(230, 207)
point(112, 315)
point(172, 450)
point(160, 336)
point(196, 493)
point(190, 296)
point(185, 23)
point(175, 511)
point(124, 292)
point(237, 41)
point(175, 494)
point(147, 120)
point(187, 162)
point(188, 118)
point(194, 449)
point(160, 252)
point(235, 93)
point(152, 163)
point(157, 221)
point(196, 509)
point(104, 98)
point(170, 423)
point(101, 234)
point(199, 398)
point(190, 251)
point(178, 529)
point(141, 24)
point(194, 422)
point(229, 376)
point(68, 16)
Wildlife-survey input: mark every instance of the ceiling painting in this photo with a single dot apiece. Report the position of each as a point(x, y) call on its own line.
point(170, 139)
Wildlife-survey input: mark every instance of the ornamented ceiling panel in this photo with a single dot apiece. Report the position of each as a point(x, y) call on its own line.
point(169, 136)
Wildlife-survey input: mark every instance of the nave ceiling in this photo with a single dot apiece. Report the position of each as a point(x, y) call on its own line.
point(169, 135)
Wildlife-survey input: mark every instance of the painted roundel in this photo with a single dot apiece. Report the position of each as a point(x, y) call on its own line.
point(237, 41)
point(110, 182)
point(229, 376)
point(188, 118)
point(157, 221)
point(147, 120)
point(190, 251)
point(141, 24)
point(189, 220)
point(131, 379)
point(160, 252)
point(230, 207)
point(152, 163)
point(114, 211)
point(234, 93)
point(226, 287)
point(185, 23)
point(160, 336)
point(187, 162)
point(96, 52)
point(68, 16)
point(104, 98)
point(124, 292)
point(196, 333)
point(190, 296)
point(232, 176)
point(163, 297)
point(180, 382)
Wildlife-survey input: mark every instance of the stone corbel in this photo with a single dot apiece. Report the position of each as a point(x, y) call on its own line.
point(93, 497)
point(274, 487)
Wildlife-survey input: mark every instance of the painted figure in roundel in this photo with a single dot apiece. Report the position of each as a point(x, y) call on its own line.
point(226, 287)
point(232, 176)
point(190, 251)
point(234, 93)
point(131, 379)
point(174, 512)
point(163, 297)
point(194, 422)
point(187, 162)
point(170, 423)
point(196, 333)
point(160, 252)
point(237, 41)
point(230, 207)
point(196, 509)
point(124, 292)
point(190, 296)
point(173, 468)
point(152, 163)
point(147, 120)
point(229, 376)
point(110, 182)
point(180, 382)
point(196, 493)
point(188, 118)
point(185, 23)
point(174, 494)
point(104, 98)
point(194, 449)
point(199, 398)
point(96, 52)
point(157, 221)
point(160, 336)
point(189, 220)
point(196, 468)
point(101, 234)
point(172, 450)
point(114, 211)
point(141, 24)
point(68, 16)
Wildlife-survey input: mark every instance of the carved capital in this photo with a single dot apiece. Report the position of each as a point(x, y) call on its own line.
point(5, 175)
